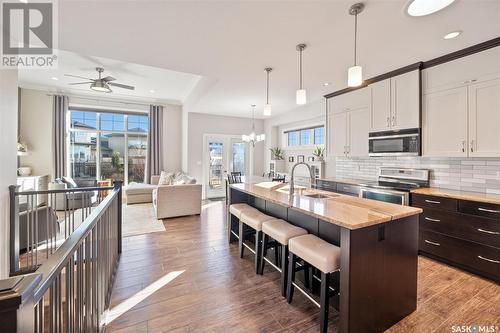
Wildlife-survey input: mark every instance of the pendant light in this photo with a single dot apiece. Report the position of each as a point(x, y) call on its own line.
point(355, 73)
point(267, 107)
point(300, 96)
point(253, 138)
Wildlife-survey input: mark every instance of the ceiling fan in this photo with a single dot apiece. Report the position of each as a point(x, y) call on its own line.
point(102, 83)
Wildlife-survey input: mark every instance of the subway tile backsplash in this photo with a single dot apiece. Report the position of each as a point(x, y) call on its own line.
point(471, 174)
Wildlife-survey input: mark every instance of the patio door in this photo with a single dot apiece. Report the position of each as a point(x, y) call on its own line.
point(223, 154)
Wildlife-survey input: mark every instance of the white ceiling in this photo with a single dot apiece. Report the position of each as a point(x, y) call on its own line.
point(151, 83)
point(228, 44)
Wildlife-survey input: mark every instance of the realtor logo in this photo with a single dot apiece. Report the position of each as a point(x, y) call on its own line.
point(28, 34)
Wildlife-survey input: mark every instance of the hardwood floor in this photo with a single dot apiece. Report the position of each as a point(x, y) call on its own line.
point(189, 279)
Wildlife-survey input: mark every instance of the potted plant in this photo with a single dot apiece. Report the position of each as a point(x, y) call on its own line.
point(277, 153)
point(319, 153)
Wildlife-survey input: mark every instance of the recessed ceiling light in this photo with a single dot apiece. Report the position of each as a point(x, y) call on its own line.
point(426, 7)
point(152, 91)
point(55, 78)
point(326, 84)
point(453, 34)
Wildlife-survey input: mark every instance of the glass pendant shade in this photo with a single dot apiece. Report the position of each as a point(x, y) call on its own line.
point(267, 110)
point(301, 97)
point(355, 76)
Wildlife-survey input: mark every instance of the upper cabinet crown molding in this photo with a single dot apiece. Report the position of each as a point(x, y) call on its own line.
point(353, 100)
point(396, 102)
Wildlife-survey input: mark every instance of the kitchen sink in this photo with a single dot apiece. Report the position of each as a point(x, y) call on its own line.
point(319, 195)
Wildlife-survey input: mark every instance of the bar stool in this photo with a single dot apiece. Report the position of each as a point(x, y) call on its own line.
point(238, 208)
point(321, 255)
point(254, 219)
point(281, 232)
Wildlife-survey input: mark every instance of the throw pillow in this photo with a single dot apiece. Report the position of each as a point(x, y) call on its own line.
point(166, 178)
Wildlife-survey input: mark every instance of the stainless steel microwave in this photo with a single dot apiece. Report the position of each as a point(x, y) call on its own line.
point(405, 142)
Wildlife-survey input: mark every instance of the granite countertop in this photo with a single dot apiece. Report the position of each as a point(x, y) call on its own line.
point(461, 195)
point(344, 211)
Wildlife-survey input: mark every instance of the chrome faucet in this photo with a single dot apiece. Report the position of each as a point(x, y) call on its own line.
point(290, 193)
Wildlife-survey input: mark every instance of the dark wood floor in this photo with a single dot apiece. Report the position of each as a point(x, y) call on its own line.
point(189, 279)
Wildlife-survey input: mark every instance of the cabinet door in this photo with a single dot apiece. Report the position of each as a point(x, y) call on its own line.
point(484, 119)
point(337, 134)
point(444, 123)
point(380, 114)
point(405, 100)
point(359, 126)
point(356, 99)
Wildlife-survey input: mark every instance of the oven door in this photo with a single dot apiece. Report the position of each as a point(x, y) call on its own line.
point(402, 144)
point(395, 197)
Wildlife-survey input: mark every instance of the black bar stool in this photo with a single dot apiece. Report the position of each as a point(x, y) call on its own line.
point(321, 255)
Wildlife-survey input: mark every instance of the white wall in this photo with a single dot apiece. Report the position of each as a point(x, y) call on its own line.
point(306, 115)
point(36, 130)
point(200, 124)
point(172, 138)
point(8, 158)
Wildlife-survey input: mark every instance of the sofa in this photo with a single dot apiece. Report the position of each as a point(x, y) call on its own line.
point(176, 200)
point(168, 200)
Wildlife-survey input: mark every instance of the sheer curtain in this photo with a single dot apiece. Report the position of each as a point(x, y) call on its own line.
point(153, 160)
point(59, 111)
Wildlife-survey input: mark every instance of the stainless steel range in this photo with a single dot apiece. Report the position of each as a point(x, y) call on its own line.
point(394, 185)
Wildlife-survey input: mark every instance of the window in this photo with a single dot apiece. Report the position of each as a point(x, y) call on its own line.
point(107, 146)
point(306, 136)
point(319, 135)
point(292, 138)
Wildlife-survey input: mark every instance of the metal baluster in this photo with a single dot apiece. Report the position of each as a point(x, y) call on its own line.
point(41, 317)
point(36, 231)
point(48, 222)
point(72, 213)
point(51, 309)
point(95, 311)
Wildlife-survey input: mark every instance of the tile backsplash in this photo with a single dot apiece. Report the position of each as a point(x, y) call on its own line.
point(466, 174)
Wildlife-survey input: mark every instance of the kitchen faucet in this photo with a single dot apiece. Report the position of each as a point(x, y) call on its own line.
point(290, 193)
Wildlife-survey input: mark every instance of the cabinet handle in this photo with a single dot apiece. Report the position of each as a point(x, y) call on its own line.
point(488, 210)
point(388, 121)
point(393, 120)
point(488, 232)
point(490, 260)
point(463, 146)
point(469, 81)
point(471, 146)
point(432, 220)
point(433, 202)
point(432, 243)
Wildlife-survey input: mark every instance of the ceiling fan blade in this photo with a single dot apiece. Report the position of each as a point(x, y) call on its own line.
point(80, 83)
point(80, 77)
point(119, 85)
point(108, 78)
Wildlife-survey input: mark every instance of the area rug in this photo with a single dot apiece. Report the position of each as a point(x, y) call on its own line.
point(138, 219)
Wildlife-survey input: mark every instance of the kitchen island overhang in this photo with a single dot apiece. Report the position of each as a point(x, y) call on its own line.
point(379, 248)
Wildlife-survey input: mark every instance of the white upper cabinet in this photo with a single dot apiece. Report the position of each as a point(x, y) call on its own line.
point(396, 103)
point(380, 118)
point(484, 119)
point(349, 123)
point(477, 67)
point(337, 134)
point(405, 100)
point(444, 123)
point(353, 100)
point(461, 107)
point(358, 129)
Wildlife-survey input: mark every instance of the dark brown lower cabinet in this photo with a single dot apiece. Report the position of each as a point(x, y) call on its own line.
point(465, 234)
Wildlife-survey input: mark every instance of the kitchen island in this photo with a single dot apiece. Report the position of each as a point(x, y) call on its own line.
point(378, 241)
